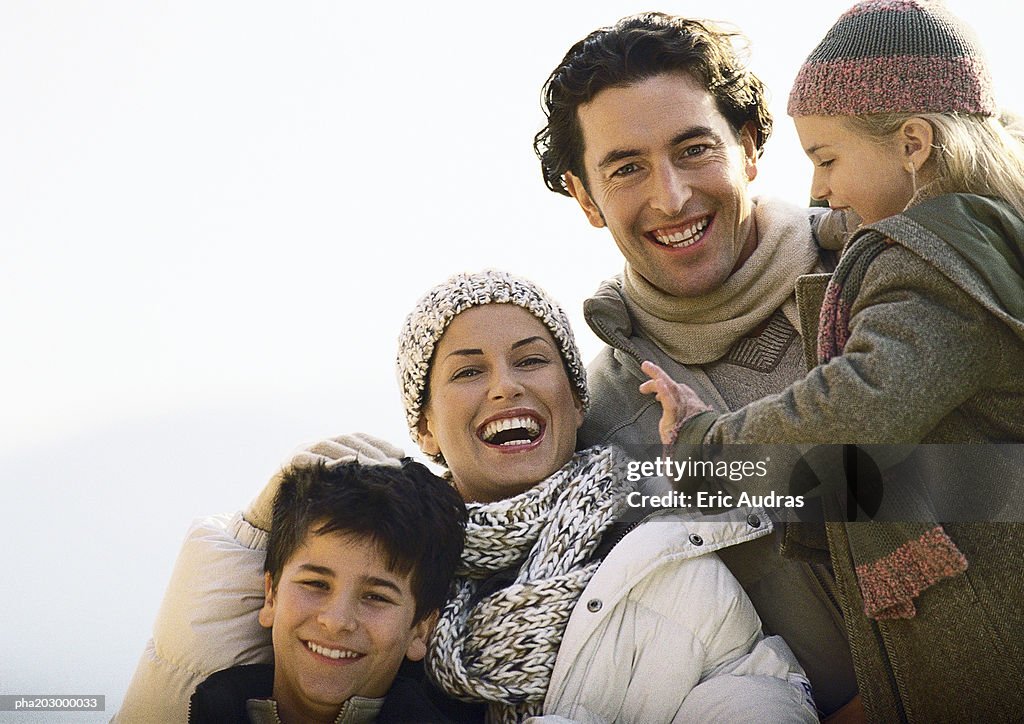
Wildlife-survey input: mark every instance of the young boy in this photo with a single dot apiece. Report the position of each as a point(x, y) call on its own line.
point(359, 562)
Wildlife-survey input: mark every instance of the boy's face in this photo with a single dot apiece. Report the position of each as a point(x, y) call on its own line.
point(342, 624)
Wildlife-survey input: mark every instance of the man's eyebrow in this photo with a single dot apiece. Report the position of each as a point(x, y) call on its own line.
point(617, 155)
point(681, 137)
point(696, 132)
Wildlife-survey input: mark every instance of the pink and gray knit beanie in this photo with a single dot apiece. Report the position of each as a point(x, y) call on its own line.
point(894, 56)
point(426, 324)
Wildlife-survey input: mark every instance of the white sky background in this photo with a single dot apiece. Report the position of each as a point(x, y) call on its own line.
point(213, 220)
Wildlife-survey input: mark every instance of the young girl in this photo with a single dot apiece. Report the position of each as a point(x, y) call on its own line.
point(921, 340)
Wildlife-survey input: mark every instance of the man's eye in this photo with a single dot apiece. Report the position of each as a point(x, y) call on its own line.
point(695, 150)
point(629, 168)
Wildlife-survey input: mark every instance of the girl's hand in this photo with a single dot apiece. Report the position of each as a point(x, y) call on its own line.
point(678, 401)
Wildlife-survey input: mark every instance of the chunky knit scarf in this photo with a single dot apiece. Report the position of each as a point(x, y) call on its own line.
point(500, 646)
point(703, 329)
point(894, 562)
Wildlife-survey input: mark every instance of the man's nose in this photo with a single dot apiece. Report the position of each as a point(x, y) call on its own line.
point(670, 190)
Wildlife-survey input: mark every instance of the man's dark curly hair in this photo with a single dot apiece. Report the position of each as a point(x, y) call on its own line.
point(415, 518)
point(634, 49)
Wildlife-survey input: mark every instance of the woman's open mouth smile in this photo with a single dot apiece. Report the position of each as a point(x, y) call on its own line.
point(512, 430)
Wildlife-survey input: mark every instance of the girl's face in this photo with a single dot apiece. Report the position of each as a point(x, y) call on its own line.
point(852, 171)
point(500, 405)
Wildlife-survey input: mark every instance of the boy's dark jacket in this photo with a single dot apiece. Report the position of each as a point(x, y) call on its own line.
point(221, 699)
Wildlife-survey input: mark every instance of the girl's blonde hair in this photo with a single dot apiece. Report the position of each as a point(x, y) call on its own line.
point(972, 154)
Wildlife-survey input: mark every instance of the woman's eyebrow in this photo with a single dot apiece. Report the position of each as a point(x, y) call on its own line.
point(528, 340)
point(463, 352)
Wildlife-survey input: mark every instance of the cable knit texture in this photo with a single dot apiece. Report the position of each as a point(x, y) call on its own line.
point(502, 647)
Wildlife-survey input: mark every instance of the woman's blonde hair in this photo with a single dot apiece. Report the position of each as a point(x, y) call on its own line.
point(970, 153)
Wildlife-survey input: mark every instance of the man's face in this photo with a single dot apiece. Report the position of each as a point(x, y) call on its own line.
point(668, 176)
point(342, 623)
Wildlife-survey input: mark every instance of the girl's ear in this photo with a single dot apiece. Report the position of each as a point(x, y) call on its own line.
point(915, 138)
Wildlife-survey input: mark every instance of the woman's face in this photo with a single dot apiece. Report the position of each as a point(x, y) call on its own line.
point(500, 406)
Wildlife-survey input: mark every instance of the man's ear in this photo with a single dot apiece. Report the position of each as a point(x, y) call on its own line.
point(266, 615)
point(425, 437)
point(748, 140)
point(915, 139)
point(579, 192)
point(421, 635)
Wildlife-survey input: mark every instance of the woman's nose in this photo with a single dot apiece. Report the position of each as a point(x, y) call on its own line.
point(505, 384)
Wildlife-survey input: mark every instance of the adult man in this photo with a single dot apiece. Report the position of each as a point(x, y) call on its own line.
point(655, 128)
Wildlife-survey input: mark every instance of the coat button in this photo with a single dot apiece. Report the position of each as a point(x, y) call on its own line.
point(594, 605)
point(696, 539)
point(753, 521)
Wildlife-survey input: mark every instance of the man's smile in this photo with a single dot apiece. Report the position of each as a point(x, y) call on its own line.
point(681, 236)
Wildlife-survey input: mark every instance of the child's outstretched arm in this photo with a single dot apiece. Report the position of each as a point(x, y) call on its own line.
point(679, 402)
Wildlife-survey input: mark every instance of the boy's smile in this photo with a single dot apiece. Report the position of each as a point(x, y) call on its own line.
point(342, 624)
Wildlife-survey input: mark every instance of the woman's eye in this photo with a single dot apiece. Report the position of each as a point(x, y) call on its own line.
point(533, 361)
point(465, 373)
point(825, 164)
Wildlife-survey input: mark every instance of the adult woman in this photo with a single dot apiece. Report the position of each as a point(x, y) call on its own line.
point(553, 613)
point(494, 389)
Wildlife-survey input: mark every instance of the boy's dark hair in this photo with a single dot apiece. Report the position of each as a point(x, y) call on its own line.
point(635, 49)
point(416, 519)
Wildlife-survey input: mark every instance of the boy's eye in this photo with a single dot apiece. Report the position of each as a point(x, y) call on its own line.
point(378, 598)
point(315, 583)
